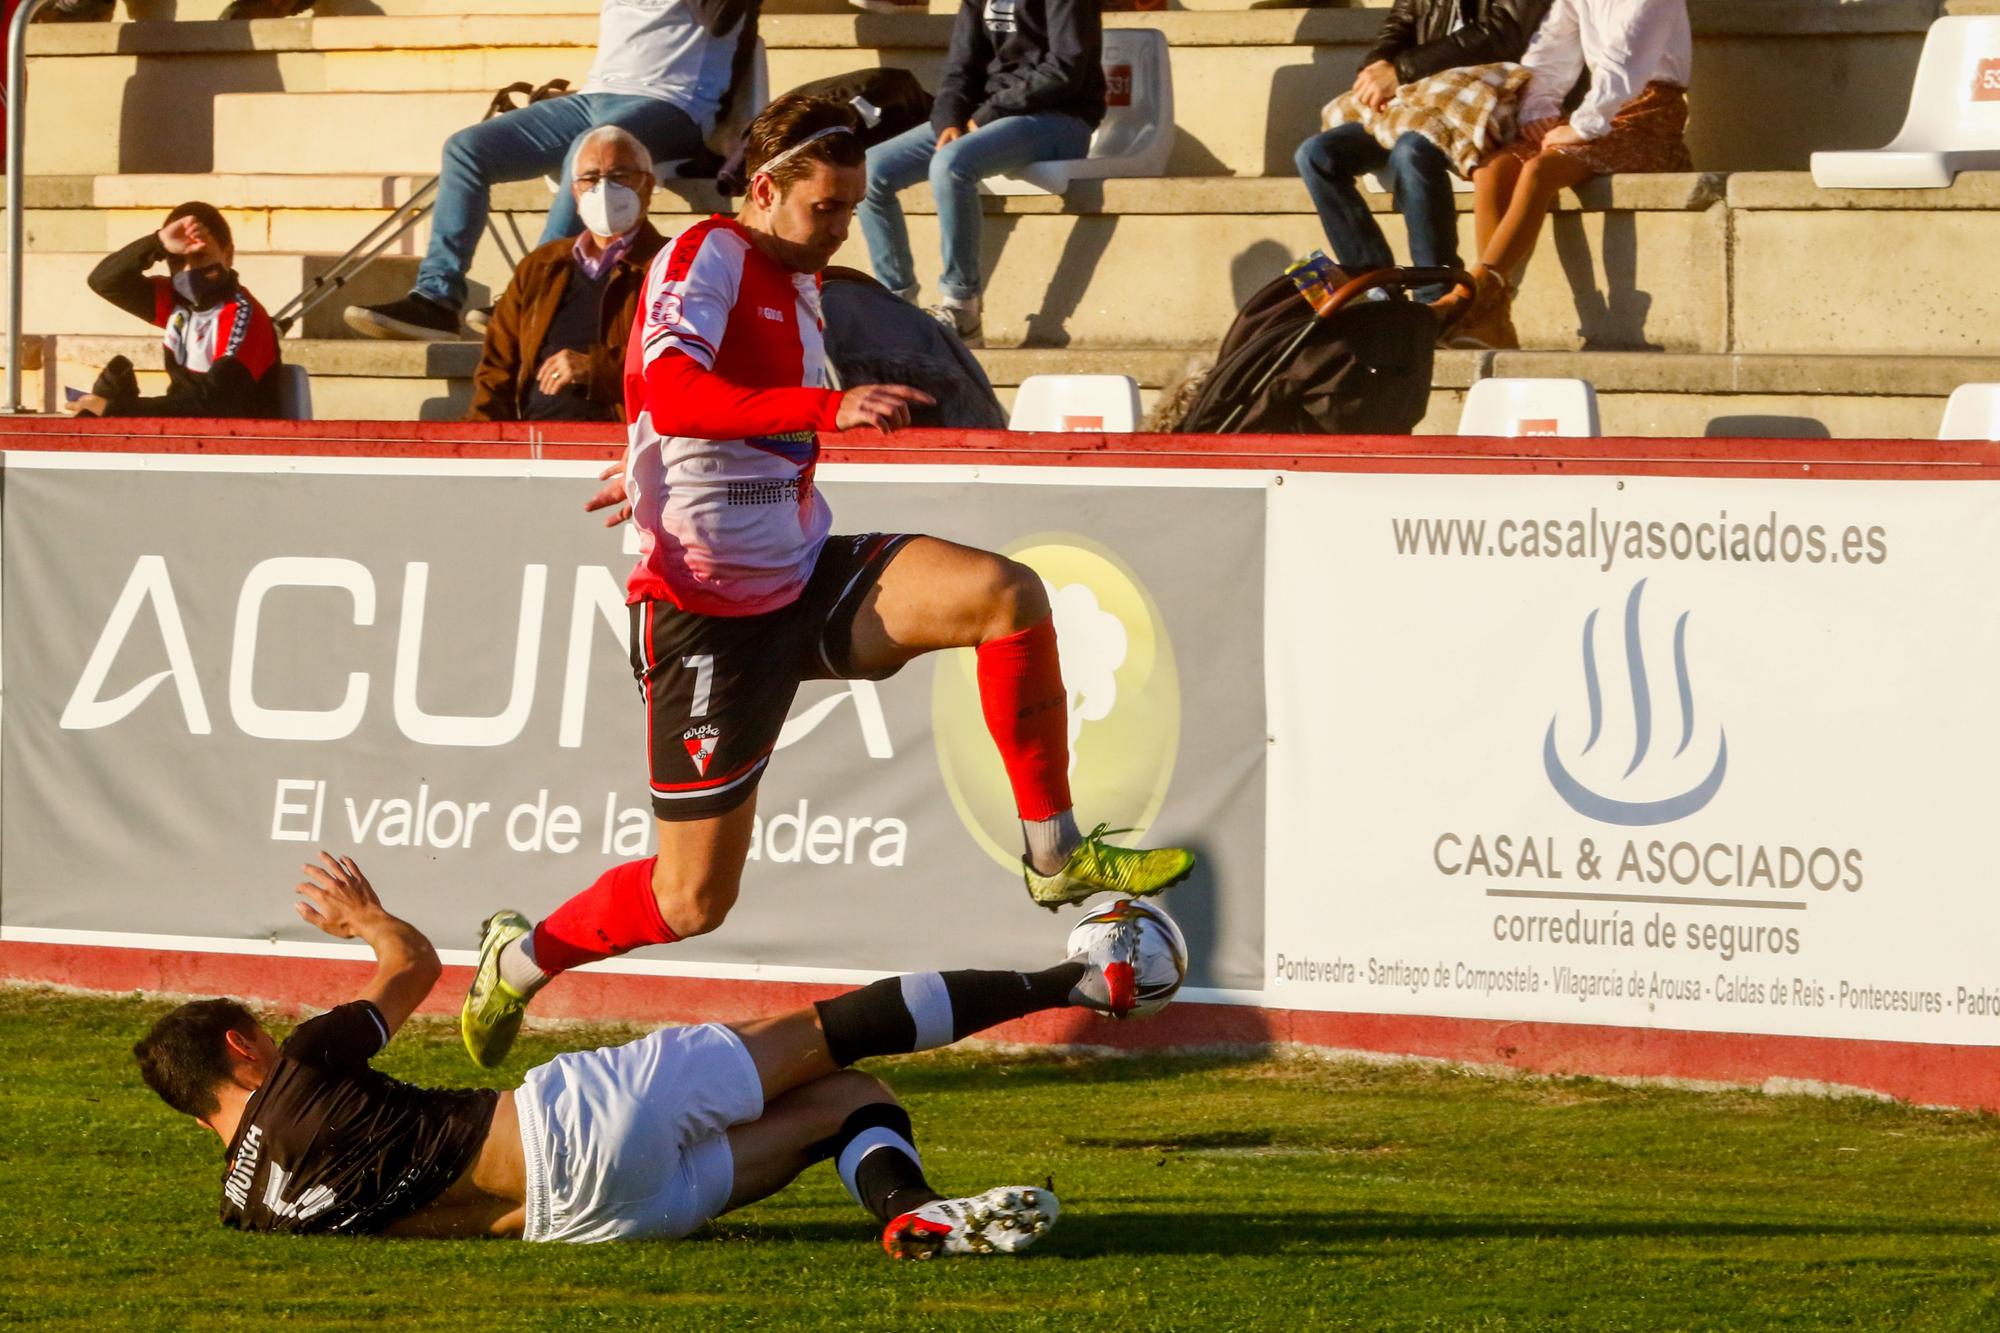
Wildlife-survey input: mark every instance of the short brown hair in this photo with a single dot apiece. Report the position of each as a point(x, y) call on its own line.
point(788, 122)
point(183, 1058)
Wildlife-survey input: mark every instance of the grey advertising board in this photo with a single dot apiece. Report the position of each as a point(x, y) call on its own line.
point(214, 668)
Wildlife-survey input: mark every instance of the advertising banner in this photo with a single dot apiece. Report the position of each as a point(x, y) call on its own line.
point(216, 666)
point(1708, 754)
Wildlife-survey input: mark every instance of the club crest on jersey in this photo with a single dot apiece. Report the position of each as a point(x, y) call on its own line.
point(701, 743)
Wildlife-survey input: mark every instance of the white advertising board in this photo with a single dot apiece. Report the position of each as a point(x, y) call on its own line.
point(1690, 752)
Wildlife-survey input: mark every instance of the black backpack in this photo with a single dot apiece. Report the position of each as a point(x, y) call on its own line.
point(1282, 369)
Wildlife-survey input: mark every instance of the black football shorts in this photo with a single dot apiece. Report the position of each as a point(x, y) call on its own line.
point(717, 688)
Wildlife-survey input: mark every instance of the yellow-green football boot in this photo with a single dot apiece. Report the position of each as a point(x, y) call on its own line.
point(492, 1013)
point(1095, 866)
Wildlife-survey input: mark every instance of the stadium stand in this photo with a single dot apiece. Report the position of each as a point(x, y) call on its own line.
point(1076, 402)
point(1511, 408)
point(1738, 297)
point(1953, 123)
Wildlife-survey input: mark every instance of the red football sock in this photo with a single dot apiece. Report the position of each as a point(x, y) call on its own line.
point(613, 916)
point(1027, 711)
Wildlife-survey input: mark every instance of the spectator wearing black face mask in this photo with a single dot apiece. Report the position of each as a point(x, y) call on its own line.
point(221, 349)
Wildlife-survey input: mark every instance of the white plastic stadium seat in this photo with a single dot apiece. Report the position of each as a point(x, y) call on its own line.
point(295, 395)
point(1953, 123)
point(1972, 413)
point(1137, 134)
point(1514, 408)
point(1076, 402)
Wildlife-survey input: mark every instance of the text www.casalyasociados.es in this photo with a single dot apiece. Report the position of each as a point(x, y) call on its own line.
point(1766, 538)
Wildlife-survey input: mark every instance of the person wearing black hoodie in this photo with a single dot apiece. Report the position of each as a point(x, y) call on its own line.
point(220, 348)
point(1023, 83)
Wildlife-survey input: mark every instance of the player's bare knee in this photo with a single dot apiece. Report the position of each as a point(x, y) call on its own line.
point(691, 909)
point(1015, 596)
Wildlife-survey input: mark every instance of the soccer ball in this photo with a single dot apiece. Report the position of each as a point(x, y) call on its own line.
point(1141, 950)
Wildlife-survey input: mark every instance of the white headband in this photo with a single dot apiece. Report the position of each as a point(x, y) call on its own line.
point(800, 147)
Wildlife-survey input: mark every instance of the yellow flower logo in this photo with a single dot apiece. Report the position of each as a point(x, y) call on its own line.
point(1124, 701)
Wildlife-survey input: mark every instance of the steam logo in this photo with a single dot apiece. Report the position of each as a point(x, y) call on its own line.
point(1623, 810)
point(1123, 696)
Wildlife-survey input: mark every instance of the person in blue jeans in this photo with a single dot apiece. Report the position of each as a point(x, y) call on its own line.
point(662, 71)
point(1023, 83)
point(1418, 39)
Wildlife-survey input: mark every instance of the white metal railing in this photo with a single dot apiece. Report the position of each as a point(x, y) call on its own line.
point(17, 103)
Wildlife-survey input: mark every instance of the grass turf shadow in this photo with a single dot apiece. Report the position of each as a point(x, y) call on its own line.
point(1263, 1232)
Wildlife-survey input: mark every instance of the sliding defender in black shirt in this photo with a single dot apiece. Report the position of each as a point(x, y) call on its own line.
point(649, 1139)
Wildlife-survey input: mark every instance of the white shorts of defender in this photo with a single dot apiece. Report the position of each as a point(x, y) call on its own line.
point(630, 1142)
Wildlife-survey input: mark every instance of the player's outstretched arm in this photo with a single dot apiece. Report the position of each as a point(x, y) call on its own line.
point(338, 899)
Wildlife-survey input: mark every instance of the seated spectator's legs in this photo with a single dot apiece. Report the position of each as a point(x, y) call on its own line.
point(1512, 193)
point(520, 145)
point(1419, 175)
point(894, 165)
point(668, 133)
point(991, 150)
point(1512, 240)
point(1493, 185)
point(1328, 164)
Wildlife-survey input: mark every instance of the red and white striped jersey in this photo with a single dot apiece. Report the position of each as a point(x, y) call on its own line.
point(234, 326)
point(726, 384)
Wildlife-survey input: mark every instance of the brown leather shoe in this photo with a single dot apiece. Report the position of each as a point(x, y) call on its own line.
point(1489, 324)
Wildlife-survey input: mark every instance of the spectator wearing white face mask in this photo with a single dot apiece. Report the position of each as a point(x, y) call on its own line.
point(555, 349)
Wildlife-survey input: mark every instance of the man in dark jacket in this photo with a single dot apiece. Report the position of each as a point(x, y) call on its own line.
point(555, 350)
point(1023, 83)
point(221, 349)
point(1420, 38)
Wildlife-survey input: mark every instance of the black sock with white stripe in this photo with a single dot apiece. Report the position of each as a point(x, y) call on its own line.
point(875, 1154)
point(925, 1010)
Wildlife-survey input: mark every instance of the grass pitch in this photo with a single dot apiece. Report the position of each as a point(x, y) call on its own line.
point(1199, 1193)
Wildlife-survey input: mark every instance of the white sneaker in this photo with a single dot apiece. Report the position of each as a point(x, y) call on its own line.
point(962, 318)
point(1002, 1220)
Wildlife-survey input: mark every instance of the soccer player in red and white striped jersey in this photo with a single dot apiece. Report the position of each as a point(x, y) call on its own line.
point(740, 593)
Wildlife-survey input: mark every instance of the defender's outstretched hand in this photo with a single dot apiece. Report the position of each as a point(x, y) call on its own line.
point(338, 897)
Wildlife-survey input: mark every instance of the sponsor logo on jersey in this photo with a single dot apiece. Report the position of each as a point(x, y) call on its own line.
point(1123, 692)
point(667, 308)
point(771, 312)
point(701, 742)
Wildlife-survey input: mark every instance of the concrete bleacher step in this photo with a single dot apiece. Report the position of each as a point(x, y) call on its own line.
point(207, 10)
point(1759, 263)
point(56, 298)
point(1634, 263)
point(1639, 394)
point(1249, 82)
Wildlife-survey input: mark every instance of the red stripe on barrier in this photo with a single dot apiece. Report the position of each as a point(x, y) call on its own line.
point(1444, 454)
point(1926, 1074)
